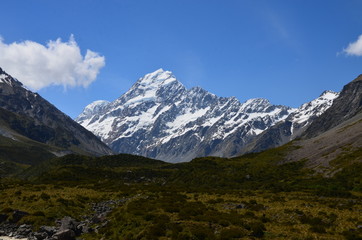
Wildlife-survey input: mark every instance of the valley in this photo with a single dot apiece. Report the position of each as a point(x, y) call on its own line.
point(180, 120)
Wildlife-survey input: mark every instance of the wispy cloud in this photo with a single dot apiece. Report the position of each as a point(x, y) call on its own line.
point(56, 63)
point(192, 68)
point(278, 25)
point(283, 27)
point(354, 48)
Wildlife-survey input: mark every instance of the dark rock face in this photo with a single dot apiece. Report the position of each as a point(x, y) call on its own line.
point(273, 137)
point(347, 105)
point(28, 114)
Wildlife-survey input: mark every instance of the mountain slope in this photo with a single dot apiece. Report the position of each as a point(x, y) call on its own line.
point(331, 150)
point(159, 118)
point(334, 139)
point(28, 118)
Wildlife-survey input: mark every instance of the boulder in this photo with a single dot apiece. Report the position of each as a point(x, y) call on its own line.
point(70, 223)
point(40, 235)
point(23, 231)
point(67, 234)
point(48, 230)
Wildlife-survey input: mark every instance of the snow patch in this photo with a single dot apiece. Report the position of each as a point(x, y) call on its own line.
point(187, 117)
point(315, 107)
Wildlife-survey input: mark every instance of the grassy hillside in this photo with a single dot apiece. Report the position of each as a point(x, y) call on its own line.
point(16, 156)
point(263, 171)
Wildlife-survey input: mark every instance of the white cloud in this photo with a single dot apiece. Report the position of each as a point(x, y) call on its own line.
point(56, 63)
point(354, 48)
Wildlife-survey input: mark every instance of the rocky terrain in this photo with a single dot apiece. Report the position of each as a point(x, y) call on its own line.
point(66, 228)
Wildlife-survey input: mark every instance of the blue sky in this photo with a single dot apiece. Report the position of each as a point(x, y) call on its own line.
point(286, 51)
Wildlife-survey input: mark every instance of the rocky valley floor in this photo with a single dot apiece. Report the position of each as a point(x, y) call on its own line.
point(53, 212)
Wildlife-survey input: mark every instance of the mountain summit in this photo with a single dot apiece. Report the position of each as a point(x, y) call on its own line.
point(154, 87)
point(159, 118)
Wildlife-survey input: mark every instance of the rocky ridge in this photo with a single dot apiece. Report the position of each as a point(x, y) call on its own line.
point(293, 126)
point(346, 106)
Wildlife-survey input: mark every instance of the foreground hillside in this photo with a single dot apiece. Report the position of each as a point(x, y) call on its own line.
point(165, 213)
point(259, 195)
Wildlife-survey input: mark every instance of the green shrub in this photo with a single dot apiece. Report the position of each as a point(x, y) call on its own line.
point(224, 222)
point(155, 231)
point(200, 232)
point(352, 235)
point(231, 233)
point(158, 227)
point(7, 210)
point(191, 210)
point(257, 229)
point(44, 196)
point(305, 219)
point(17, 193)
point(249, 214)
point(214, 201)
point(65, 202)
point(39, 214)
point(317, 229)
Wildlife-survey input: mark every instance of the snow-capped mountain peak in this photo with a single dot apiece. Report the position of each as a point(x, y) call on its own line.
point(329, 95)
point(153, 87)
point(155, 79)
point(92, 108)
point(314, 108)
point(9, 80)
point(256, 105)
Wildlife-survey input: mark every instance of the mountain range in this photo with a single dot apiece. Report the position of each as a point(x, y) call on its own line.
point(159, 118)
